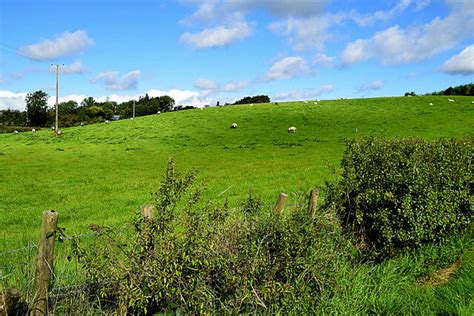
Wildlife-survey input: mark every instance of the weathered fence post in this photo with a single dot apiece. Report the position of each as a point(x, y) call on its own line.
point(147, 211)
point(44, 262)
point(313, 203)
point(280, 204)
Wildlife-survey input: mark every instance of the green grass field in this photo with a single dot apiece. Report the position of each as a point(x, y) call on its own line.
point(102, 173)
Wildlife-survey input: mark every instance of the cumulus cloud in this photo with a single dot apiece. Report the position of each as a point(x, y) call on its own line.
point(396, 45)
point(307, 32)
point(325, 60)
point(11, 100)
point(374, 85)
point(304, 94)
point(461, 64)
point(235, 86)
point(74, 68)
point(217, 36)
point(206, 84)
point(288, 67)
point(421, 4)
point(63, 45)
point(113, 81)
point(370, 19)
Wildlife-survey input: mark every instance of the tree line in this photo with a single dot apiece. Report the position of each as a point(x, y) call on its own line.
point(89, 111)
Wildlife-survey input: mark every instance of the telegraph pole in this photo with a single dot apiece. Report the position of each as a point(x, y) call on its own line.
point(57, 96)
point(57, 88)
point(134, 109)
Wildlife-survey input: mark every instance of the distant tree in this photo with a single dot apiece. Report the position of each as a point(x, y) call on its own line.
point(12, 117)
point(88, 102)
point(255, 99)
point(466, 89)
point(413, 94)
point(36, 108)
point(166, 103)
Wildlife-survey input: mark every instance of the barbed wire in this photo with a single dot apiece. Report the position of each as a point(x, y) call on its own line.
point(18, 249)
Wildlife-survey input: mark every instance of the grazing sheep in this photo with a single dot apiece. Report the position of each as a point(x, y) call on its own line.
point(450, 100)
point(33, 130)
point(52, 128)
point(472, 102)
point(107, 122)
point(82, 124)
point(315, 102)
point(233, 125)
point(15, 132)
point(59, 132)
point(159, 112)
point(431, 103)
point(292, 129)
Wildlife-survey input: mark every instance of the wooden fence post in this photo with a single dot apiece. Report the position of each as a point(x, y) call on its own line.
point(280, 204)
point(313, 203)
point(44, 262)
point(147, 211)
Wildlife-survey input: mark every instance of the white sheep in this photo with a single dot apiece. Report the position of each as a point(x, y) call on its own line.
point(15, 132)
point(431, 103)
point(33, 130)
point(472, 102)
point(233, 125)
point(315, 102)
point(292, 129)
point(59, 132)
point(159, 112)
point(450, 100)
point(107, 122)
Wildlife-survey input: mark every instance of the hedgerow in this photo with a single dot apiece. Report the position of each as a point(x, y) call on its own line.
point(397, 195)
point(213, 259)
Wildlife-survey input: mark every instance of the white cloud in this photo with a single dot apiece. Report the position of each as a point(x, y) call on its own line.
point(307, 32)
point(235, 86)
point(287, 68)
point(325, 60)
point(396, 45)
point(422, 4)
point(370, 19)
point(374, 85)
point(304, 94)
point(63, 45)
point(74, 68)
point(217, 36)
point(113, 81)
point(206, 84)
point(11, 100)
point(461, 64)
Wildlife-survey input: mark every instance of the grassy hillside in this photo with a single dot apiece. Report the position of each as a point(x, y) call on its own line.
point(102, 173)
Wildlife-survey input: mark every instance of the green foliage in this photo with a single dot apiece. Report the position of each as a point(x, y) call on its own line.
point(400, 194)
point(193, 259)
point(254, 99)
point(466, 89)
point(36, 108)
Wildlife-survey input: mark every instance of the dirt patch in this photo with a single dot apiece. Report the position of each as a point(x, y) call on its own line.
point(440, 277)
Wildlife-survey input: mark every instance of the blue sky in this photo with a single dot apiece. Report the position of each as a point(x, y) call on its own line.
point(201, 52)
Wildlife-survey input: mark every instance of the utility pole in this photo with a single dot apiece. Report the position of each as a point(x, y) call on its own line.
point(57, 96)
point(133, 109)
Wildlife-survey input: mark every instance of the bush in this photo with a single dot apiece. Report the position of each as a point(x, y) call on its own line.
point(212, 259)
point(397, 195)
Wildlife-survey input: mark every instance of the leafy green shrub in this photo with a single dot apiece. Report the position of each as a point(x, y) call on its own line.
point(214, 259)
point(399, 194)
